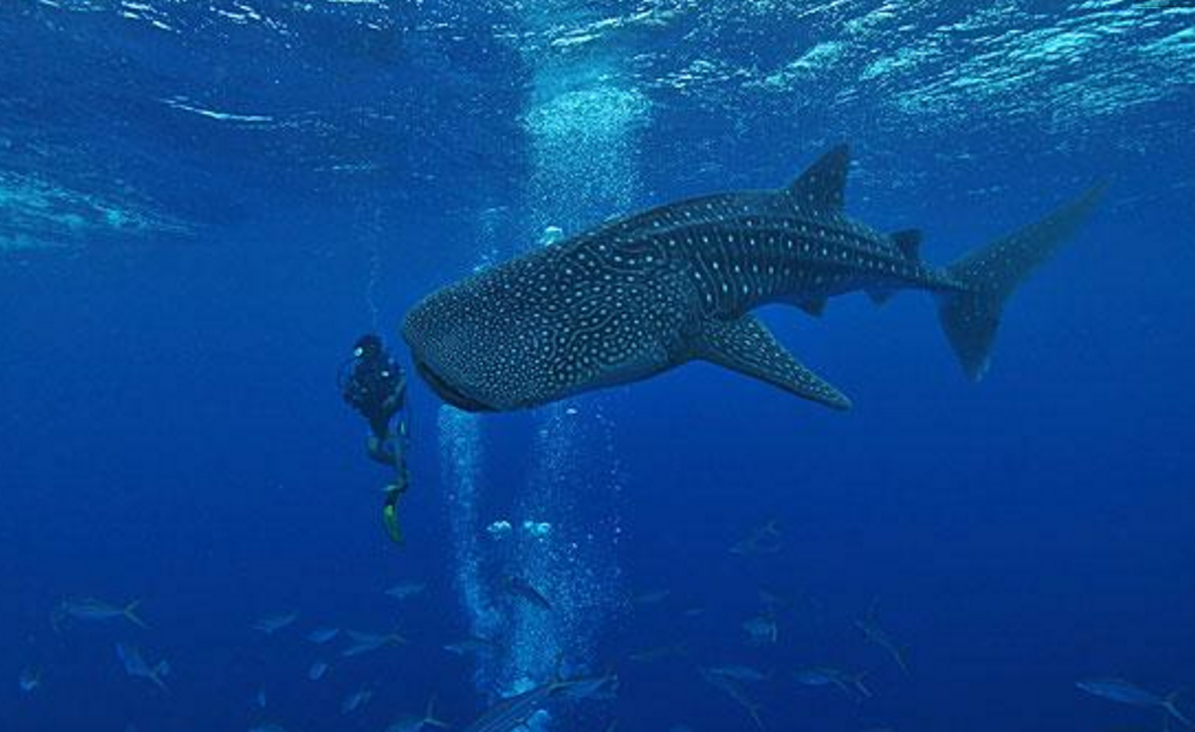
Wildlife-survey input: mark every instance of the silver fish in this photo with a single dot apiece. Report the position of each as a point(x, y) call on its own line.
point(513, 712)
point(874, 632)
point(649, 597)
point(762, 541)
point(136, 666)
point(91, 609)
point(745, 674)
point(1126, 692)
point(415, 724)
point(274, 623)
point(761, 630)
point(317, 671)
point(30, 680)
point(734, 691)
point(469, 646)
point(323, 635)
point(369, 642)
point(406, 590)
point(524, 590)
point(851, 684)
point(594, 687)
point(356, 701)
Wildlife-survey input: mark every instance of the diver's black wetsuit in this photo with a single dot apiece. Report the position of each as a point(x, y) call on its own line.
point(375, 385)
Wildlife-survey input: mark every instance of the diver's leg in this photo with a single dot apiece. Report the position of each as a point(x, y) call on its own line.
point(382, 450)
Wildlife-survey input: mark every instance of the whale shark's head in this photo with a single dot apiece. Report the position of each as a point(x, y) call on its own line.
point(488, 344)
point(456, 353)
point(540, 328)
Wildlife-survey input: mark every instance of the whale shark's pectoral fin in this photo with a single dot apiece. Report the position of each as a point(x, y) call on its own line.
point(747, 346)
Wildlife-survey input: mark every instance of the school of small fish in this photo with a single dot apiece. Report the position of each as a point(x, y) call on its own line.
point(735, 682)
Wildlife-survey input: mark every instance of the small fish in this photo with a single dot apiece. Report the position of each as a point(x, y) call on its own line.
point(317, 671)
point(745, 674)
point(90, 609)
point(415, 724)
point(356, 701)
point(650, 597)
point(368, 642)
point(524, 590)
point(406, 590)
point(595, 687)
point(274, 623)
point(30, 680)
point(762, 630)
point(762, 541)
point(260, 699)
point(514, 712)
point(323, 635)
point(874, 632)
point(734, 691)
point(851, 684)
point(657, 653)
point(469, 646)
point(267, 727)
point(136, 666)
point(1126, 692)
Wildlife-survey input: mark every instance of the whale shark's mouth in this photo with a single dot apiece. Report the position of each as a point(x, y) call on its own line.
point(448, 392)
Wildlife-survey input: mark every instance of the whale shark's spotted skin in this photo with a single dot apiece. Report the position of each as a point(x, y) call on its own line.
point(643, 294)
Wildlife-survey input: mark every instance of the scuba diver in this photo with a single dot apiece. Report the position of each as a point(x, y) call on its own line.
point(374, 385)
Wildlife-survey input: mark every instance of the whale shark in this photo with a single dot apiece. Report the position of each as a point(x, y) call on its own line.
point(645, 293)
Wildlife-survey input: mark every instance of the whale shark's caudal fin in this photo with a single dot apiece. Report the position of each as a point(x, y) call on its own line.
point(988, 276)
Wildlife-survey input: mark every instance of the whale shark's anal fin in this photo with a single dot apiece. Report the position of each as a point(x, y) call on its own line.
point(747, 346)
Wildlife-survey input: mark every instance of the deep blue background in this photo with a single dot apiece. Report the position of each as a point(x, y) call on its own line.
point(171, 429)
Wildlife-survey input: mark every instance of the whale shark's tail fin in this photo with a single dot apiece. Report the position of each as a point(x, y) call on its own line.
point(988, 276)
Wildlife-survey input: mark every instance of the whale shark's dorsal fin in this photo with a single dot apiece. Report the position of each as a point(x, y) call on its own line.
point(822, 185)
point(747, 346)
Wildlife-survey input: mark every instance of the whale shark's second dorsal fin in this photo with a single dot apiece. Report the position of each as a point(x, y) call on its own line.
point(822, 185)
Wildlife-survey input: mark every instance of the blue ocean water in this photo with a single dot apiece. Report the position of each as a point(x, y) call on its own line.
point(203, 204)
